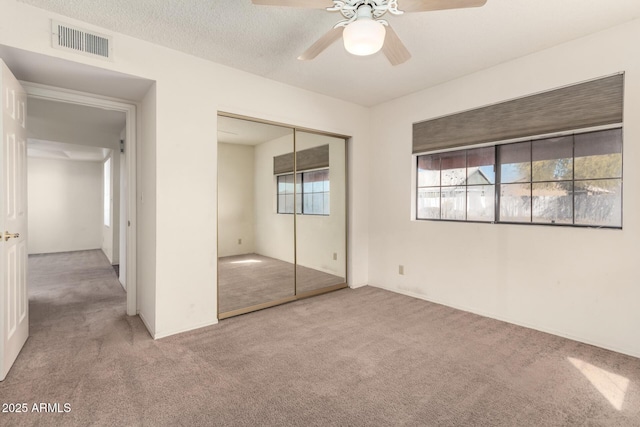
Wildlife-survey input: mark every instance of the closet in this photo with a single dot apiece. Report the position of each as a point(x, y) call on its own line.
point(282, 214)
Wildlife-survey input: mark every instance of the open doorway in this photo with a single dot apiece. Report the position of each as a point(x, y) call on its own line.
point(76, 126)
point(76, 181)
point(62, 80)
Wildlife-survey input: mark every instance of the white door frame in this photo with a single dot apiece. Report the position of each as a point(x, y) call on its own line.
point(51, 93)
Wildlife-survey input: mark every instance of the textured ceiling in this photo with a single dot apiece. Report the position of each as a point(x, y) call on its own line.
point(266, 40)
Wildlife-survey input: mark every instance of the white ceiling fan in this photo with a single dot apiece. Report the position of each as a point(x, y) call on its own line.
point(363, 30)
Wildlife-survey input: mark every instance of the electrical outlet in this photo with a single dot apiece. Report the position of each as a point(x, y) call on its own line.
point(401, 270)
point(239, 241)
point(335, 256)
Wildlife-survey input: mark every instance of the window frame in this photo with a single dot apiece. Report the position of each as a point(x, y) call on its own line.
point(453, 187)
point(498, 179)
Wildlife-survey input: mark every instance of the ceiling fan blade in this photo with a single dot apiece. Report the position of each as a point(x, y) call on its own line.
point(393, 48)
point(428, 5)
point(309, 4)
point(323, 42)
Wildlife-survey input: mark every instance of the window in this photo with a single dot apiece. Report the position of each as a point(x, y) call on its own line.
point(107, 192)
point(458, 186)
point(570, 180)
point(598, 178)
point(311, 189)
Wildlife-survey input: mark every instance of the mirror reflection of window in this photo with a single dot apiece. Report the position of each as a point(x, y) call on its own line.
point(310, 193)
point(315, 192)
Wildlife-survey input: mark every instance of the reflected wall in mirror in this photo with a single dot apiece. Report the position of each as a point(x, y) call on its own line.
point(255, 244)
point(321, 248)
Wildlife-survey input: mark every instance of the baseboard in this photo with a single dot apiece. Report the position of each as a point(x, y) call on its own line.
point(69, 251)
point(513, 322)
point(360, 285)
point(146, 324)
point(165, 334)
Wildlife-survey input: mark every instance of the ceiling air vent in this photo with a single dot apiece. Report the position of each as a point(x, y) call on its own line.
point(68, 37)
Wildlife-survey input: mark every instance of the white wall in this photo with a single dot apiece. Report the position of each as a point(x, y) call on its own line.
point(180, 267)
point(146, 294)
point(235, 199)
point(65, 205)
point(578, 283)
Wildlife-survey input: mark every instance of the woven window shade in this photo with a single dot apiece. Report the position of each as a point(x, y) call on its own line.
point(594, 103)
point(311, 158)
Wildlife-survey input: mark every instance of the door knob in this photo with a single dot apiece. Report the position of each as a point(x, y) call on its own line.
point(8, 235)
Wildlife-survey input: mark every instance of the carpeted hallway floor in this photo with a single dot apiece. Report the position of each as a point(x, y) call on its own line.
point(363, 357)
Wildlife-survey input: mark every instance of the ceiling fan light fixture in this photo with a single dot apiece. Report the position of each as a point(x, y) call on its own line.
point(363, 37)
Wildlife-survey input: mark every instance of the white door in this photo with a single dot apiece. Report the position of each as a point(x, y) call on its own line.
point(14, 307)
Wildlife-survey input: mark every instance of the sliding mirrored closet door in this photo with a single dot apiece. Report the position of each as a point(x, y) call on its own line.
point(255, 246)
point(281, 214)
point(321, 244)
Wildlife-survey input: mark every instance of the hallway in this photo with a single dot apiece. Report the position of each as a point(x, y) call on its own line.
point(79, 335)
point(72, 287)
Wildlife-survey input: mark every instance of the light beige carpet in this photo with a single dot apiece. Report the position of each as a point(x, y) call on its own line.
point(363, 357)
